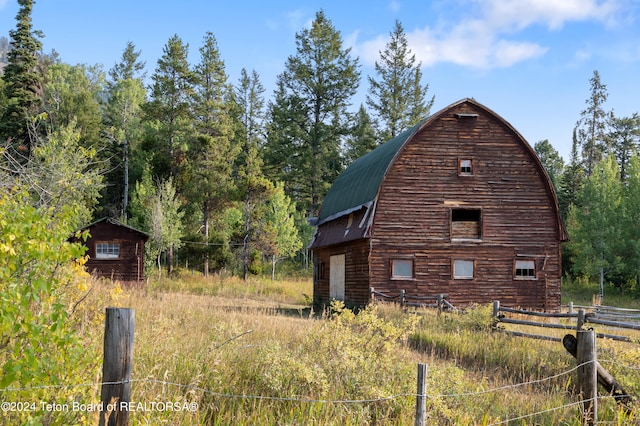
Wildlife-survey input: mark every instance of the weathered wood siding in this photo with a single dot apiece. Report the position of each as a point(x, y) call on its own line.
point(518, 215)
point(130, 265)
point(356, 272)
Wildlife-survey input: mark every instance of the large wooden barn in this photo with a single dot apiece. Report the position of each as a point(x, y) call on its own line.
point(460, 204)
point(115, 250)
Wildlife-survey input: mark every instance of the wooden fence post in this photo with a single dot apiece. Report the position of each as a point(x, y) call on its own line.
point(440, 303)
point(116, 368)
point(581, 317)
point(588, 375)
point(421, 396)
point(570, 308)
point(372, 295)
point(403, 296)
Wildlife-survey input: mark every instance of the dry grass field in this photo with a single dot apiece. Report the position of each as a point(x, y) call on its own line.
point(254, 353)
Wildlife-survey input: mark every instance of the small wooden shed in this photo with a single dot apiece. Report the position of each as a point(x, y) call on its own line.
point(115, 250)
point(459, 204)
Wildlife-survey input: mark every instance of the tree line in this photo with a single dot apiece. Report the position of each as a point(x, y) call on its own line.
point(221, 176)
point(218, 175)
point(599, 193)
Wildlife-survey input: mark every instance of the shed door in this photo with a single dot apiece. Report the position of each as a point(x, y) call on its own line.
point(336, 277)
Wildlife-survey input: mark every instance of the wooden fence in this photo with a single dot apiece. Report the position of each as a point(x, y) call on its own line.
point(403, 299)
point(610, 317)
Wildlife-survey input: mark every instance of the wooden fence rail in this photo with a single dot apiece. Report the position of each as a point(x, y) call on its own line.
point(581, 318)
point(403, 299)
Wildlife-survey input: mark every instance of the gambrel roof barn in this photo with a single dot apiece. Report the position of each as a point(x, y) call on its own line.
point(459, 204)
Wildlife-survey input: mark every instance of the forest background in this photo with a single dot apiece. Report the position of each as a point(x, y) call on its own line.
point(224, 178)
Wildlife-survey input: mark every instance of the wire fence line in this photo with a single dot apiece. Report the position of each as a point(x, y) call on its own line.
point(338, 401)
point(299, 399)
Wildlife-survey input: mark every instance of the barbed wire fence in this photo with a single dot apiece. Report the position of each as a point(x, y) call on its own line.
point(5, 393)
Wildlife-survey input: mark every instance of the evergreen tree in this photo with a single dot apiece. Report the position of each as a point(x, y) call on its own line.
point(362, 137)
point(398, 98)
point(591, 128)
point(310, 112)
point(551, 160)
point(212, 152)
point(168, 113)
point(625, 138)
point(122, 126)
point(23, 83)
point(571, 181)
point(253, 187)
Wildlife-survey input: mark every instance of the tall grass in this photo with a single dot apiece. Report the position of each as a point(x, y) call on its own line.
point(254, 353)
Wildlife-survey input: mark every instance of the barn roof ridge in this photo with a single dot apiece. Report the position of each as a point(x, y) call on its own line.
point(357, 186)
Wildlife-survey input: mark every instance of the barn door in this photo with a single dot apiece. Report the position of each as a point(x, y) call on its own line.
point(336, 277)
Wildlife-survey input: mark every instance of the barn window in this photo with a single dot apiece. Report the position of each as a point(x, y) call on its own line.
point(465, 224)
point(401, 268)
point(525, 269)
point(463, 269)
point(107, 251)
point(319, 271)
point(465, 167)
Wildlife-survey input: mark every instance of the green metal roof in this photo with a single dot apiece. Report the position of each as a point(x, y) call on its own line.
point(358, 185)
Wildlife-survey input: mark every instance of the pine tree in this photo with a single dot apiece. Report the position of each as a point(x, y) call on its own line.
point(591, 128)
point(551, 160)
point(253, 187)
point(23, 83)
point(398, 98)
point(169, 111)
point(362, 137)
point(212, 153)
point(310, 108)
point(625, 140)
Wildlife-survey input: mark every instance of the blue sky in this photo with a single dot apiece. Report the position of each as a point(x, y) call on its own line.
point(528, 60)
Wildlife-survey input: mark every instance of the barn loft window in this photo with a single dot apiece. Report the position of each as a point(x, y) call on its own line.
point(466, 224)
point(402, 268)
point(107, 251)
point(463, 269)
point(465, 167)
point(525, 269)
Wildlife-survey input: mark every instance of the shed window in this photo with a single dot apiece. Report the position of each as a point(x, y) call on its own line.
point(402, 268)
point(525, 269)
point(465, 224)
point(463, 269)
point(107, 251)
point(465, 167)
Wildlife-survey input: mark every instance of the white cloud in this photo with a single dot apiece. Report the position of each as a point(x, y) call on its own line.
point(483, 38)
point(520, 14)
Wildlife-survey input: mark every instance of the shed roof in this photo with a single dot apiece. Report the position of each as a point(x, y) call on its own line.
point(117, 223)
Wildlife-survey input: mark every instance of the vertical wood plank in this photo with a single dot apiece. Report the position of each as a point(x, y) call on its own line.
point(421, 396)
point(588, 375)
point(117, 365)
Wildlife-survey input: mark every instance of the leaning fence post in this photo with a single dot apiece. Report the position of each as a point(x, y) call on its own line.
point(421, 396)
point(116, 367)
point(440, 304)
point(588, 375)
point(372, 295)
